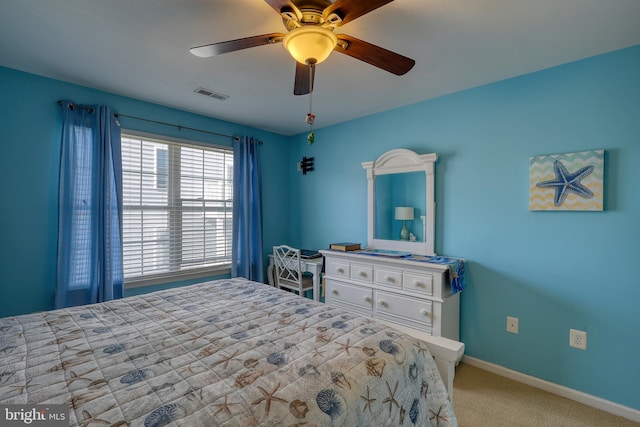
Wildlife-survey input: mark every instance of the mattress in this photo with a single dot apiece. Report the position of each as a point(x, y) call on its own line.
point(222, 353)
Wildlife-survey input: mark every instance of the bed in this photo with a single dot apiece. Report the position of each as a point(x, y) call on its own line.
point(222, 353)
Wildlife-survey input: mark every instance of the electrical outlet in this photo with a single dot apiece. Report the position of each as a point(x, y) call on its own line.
point(512, 324)
point(578, 339)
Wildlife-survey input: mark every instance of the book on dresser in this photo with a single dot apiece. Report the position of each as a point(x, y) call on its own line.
point(345, 246)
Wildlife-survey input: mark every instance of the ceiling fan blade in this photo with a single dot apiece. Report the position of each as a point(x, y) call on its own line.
point(304, 79)
point(209, 50)
point(374, 55)
point(349, 10)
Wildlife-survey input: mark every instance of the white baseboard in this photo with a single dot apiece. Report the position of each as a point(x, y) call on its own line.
point(578, 396)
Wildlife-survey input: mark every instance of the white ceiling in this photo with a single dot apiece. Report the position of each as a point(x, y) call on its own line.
point(140, 48)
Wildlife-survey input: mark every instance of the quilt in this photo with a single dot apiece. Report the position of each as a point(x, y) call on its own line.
point(222, 353)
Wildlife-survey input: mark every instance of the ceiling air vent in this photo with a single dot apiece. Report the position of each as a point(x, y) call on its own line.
point(211, 94)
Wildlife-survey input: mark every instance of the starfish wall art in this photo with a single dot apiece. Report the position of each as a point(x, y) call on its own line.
point(567, 182)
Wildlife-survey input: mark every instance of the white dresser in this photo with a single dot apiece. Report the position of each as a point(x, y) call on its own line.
point(411, 294)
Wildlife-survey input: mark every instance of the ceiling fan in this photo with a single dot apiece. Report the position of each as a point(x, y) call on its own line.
point(310, 38)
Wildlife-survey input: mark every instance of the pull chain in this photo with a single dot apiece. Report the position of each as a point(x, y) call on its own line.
point(311, 118)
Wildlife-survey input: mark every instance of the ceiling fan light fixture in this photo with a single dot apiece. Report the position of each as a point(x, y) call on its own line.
point(310, 44)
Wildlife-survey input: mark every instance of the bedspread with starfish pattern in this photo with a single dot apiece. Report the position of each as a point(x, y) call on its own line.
point(222, 353)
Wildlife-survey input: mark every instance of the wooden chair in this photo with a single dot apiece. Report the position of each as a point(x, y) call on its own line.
point(288, 270)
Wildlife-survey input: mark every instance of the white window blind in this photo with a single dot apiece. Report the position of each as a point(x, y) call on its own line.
point(177, 202)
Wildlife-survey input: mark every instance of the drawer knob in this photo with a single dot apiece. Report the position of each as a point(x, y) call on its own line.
point(367, 299)
point(334, 291)
point(390, 279)
point(419, 285)
point(363, 273)
point(383, 303)
point(424, 312)
point(340, 270)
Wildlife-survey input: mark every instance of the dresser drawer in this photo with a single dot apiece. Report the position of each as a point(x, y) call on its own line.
point(400, 306)
point(416, 282)
point(337, 268)
point(362, 272)
point(388, 277)
point(350, 294)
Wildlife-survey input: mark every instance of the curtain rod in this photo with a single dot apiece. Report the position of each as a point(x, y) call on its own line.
point(180, 127)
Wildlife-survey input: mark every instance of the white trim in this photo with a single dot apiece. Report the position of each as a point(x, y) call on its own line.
point(584, 398)
point(177, 276)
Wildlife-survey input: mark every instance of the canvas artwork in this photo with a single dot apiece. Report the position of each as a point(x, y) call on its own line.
point(567, 182)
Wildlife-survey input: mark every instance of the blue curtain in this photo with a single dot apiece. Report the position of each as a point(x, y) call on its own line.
point(89, 264)
point(246, 252)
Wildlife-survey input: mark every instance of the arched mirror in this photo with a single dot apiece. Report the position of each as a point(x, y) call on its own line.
point(401, 206)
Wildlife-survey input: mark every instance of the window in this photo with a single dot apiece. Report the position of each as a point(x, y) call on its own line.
point(162, 168)
point(177, 200)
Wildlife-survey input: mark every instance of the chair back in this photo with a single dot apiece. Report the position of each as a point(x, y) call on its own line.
point(288, 266)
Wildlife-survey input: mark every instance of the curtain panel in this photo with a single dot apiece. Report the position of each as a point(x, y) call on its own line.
point(89, 262)
point(246, 252)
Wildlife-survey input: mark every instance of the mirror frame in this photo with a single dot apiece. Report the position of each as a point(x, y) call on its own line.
point(401, 160)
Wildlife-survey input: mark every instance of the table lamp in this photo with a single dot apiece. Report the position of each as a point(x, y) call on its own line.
point(404, 213)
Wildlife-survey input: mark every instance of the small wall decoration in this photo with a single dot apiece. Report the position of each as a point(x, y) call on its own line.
point(567, 182)
point(306, 165)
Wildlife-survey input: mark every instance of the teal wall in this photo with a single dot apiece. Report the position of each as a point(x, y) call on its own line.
point(552, 270)
point(30, 133)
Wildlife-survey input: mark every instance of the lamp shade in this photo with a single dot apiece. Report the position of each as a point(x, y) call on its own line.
point(404, 213)
point(310, 43)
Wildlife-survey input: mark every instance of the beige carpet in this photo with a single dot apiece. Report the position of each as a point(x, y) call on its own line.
point(483, 399)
